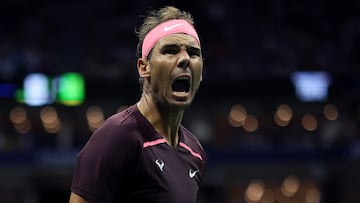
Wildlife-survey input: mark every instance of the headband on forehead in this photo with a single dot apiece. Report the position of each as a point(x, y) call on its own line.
point(164, 29)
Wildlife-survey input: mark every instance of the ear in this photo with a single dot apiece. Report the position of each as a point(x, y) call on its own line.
point(143, 68)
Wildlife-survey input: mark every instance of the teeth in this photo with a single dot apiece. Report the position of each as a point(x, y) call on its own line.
point(183, 78)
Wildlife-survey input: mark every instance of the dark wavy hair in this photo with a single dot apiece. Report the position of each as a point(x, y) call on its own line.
point(156, 17)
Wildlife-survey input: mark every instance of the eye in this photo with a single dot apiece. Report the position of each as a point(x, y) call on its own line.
point(170, 50)
point(193, 51)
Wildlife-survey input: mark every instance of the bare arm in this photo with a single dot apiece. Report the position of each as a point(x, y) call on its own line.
point(74, 198)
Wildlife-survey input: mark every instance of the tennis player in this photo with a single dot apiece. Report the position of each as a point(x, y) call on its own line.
point(144, 153)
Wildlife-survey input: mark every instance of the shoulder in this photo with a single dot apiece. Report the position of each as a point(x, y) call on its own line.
point(190, 138)
point(192, 141)
point(119, 131)
point(119, 135)
point(123, 125)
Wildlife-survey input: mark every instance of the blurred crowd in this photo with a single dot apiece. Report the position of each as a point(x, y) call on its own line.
point(247, 39)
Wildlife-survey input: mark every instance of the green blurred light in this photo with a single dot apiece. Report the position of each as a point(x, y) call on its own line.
point(19, 95)
point(71, 90)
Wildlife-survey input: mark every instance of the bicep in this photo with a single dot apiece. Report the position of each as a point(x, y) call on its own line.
point(74, 198)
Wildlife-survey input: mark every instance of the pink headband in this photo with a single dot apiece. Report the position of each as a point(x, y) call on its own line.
point(164, 29)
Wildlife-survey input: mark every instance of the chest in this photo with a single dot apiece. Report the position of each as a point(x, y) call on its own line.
point(169, 174)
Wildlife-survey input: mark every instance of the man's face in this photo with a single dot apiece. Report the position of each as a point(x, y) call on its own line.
point(176, 66)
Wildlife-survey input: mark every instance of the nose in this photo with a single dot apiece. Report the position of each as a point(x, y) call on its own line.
point(184, 59)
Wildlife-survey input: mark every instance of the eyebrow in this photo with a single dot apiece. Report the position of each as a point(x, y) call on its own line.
point(188, 47)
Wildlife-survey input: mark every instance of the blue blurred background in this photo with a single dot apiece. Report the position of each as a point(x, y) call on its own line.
point(278, 111)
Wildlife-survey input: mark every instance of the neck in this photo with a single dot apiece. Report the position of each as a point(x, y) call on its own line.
point(166, 121)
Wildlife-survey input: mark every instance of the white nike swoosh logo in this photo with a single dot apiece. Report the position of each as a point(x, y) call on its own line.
point(192, 173)
point(167, 28)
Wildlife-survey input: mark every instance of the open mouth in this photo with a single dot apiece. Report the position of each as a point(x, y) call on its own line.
point(181, 84)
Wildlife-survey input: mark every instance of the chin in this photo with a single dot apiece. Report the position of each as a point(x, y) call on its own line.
point(175, 104)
